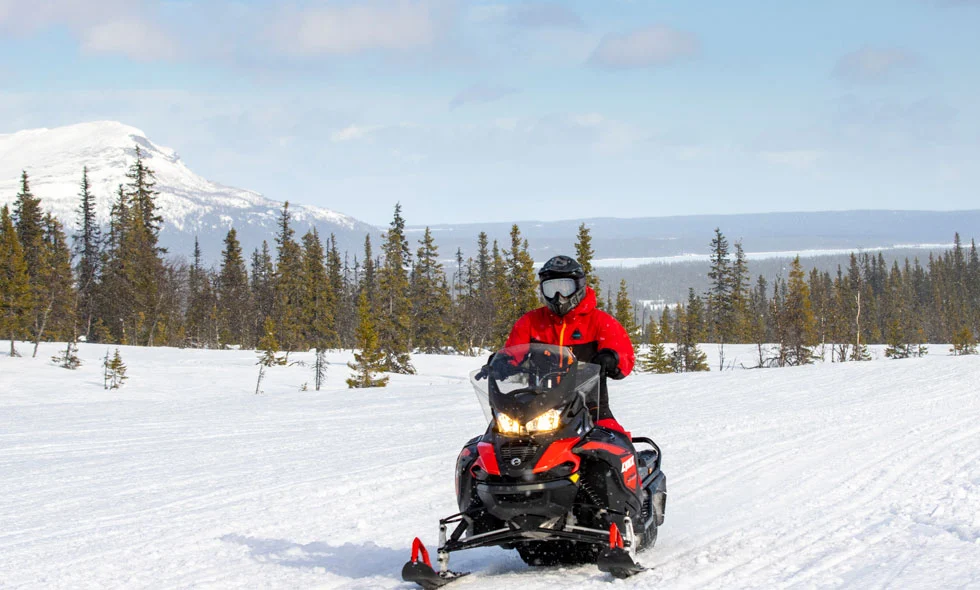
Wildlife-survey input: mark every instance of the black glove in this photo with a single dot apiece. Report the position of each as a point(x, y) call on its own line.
point(608, 359)
point(485, 369)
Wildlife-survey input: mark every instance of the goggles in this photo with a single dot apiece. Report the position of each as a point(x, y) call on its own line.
point(566, 287)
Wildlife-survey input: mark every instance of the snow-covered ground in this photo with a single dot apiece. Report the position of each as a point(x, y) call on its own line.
point(859, 475)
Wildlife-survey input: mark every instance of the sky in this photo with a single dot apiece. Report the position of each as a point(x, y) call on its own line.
point(465, 111)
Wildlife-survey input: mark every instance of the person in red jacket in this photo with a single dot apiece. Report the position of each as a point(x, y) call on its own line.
point(570, 318)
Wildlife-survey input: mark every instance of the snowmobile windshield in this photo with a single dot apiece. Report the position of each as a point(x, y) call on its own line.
point(526, 380)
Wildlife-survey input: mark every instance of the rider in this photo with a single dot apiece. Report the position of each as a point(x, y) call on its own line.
point(570, 318)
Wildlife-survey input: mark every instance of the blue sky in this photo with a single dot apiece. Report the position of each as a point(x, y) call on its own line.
point(469, 111)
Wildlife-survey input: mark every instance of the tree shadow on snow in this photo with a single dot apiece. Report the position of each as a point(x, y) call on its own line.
point(347, 560)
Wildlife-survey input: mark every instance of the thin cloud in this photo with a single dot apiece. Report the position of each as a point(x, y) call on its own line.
point(133, 38)
point(645, 48)
point(479, 93)
point(873, 65)
point(353, 132)
point(109, 27)
point(542, 15)
point(387, 25)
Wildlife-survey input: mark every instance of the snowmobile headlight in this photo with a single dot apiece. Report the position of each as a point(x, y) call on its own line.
point(507, 425)
point(546, 422)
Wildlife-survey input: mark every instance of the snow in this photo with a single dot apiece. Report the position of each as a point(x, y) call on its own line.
point(861, 475)
point(683, 258)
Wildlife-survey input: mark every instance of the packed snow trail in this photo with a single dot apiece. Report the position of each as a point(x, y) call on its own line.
point(863, 475)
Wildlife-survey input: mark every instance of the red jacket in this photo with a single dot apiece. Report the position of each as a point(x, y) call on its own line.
point(585, 329)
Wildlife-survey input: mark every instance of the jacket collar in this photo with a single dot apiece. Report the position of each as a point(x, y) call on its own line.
point(585, 306)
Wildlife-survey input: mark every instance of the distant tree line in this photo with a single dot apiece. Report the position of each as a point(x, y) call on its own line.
point(868, 302)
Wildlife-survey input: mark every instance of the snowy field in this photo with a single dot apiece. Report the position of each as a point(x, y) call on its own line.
point(861, 475)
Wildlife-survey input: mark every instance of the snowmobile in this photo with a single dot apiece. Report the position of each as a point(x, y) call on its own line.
point(544, 479)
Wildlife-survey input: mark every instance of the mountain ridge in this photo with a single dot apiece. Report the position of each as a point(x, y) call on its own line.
point(191, 205)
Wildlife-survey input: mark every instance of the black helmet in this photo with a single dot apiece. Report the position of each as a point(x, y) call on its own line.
point(561, 296)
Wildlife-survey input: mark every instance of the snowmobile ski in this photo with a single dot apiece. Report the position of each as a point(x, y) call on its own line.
point(619, 560)
point(419, 570)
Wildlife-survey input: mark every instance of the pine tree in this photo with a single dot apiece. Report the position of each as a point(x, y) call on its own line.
point(797, 335)
point(964, 342)
point(114, 371)
point(54, 293)
point(758, 321)
point(200, 300)
point(338, 299)
point(232, 293)
point(87, 249)
point(135, 269)
point(688, 356)
point(656, 359)
point(504, 311)
point(269, 346)
point(741, 315)
point(624, 312)
point(261, 290)
point(318, 320)
point(520, 275)
point(288, 286)
point(370, 360)
point(719, 297)
point(29, 223)
point(431, 302)
point(15, 287)
point(69, 358)
point(394, 305)
point(584, 255)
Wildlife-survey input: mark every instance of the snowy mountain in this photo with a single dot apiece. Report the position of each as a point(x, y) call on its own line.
point(189, 204)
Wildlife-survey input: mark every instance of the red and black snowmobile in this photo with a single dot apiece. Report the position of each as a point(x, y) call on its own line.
point(544, 479)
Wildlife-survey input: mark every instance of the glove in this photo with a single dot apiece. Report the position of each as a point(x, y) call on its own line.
point(608, 359)
point(485, 369)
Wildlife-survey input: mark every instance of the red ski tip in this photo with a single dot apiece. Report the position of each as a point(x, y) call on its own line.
point(419, 548)
point(615, 538)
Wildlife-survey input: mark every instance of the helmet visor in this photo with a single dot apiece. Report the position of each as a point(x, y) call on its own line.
point(566, 287)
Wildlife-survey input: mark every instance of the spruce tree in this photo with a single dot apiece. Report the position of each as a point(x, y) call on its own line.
point(431, 303)
point(288, 285)
point(520, 275)
point(136, 267)
point(370, 360)
point(394, 305)
point(233, 293)
point(339, 300)
point(15, 287)
point(261, 290)
point(114, 371)
point(740, 296)
point(504, 311)
point(318, 320)
point(719, 297)
point(624, 312)
point(797, 335)
point(688, 356)
point(29, 223)
point(87, 243)
point(964, 342)
point(199, 301)
point(54, 294)
point(656, 359)
point(584, 254)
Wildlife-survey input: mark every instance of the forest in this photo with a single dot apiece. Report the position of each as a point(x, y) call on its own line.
point(115, 284)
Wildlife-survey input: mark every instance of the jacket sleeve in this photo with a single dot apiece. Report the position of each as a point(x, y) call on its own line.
point(613, 335)
point(521, 332)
